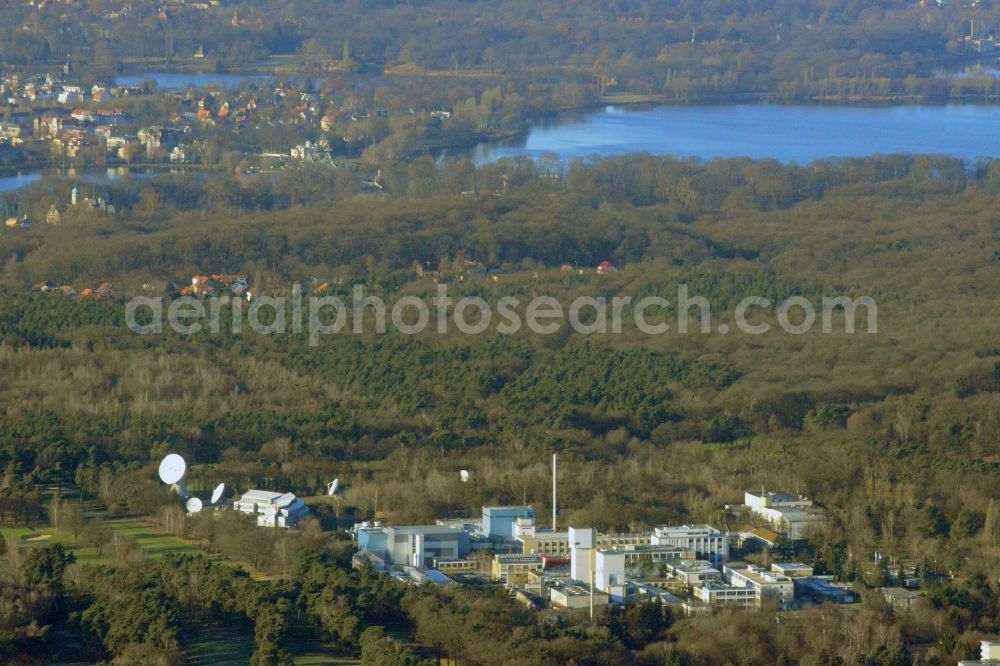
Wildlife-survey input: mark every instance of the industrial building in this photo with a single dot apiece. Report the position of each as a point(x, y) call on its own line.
point(499, 521)
point(512, 568)
point(419, 546)
point(544, 541)
point(415, 546)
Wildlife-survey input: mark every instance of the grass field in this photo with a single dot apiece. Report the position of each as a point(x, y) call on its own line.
point(154, 542)
point(216, 646)
point(225, 646)
point(202, 646)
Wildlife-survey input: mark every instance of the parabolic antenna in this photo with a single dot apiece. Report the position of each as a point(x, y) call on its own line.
point(193, 505)
point(464, 474)
point(172, 469)
point(333, 487)
point(217, 493)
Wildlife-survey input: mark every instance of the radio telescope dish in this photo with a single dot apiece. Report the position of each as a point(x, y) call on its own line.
point(217, 493)
point(193, 505)
point(333, 487)
point(464, 474)
point(172, 469)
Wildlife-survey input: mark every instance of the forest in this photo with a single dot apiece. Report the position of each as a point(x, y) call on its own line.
point(893, 433)
point(683, 51)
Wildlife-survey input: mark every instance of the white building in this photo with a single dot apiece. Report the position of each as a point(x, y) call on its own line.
point(556, 543)
point(706, 541)
point(792, 569)
point(609, 574)
point(990, 654)
point(582, 553)
point(692, 572)
point(420, 545)
point(571, 595)
point(614, 568)
point(747, 585)
point(715, 593)
point(792, 516)
point(767, 584)
point(272, 509)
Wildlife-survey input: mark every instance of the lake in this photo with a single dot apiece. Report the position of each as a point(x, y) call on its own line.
point(183, 81)
point(786, 133)
point(17, 181)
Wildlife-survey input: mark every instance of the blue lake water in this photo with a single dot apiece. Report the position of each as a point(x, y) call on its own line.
point(11, 181)
point(798, 134)
point(17, 181)
point(175, 80)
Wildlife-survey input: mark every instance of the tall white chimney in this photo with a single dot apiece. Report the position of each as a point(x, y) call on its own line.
point(554, 468)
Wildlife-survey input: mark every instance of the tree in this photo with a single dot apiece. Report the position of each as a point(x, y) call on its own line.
point(97, 534)
point(46, 565)
point(377, 649)
point(73, 519)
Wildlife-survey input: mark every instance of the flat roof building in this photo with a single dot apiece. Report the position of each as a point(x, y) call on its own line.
point(512, 568)
point(419, 545)
point(572, 595)
point(499, 521)
point(706, 541)
point(899, 598)
point(716, 593)
point(792, 569)
point(746, 585)
point(821, 588)
point(792, 516)
point(692, 572)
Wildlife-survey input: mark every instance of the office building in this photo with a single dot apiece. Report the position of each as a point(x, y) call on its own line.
point(707, 542)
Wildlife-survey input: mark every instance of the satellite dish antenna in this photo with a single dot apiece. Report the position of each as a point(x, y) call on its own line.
point(217, 493)
point(172, 469)
point(193, 505)
point(333, 487)
point(465, 475)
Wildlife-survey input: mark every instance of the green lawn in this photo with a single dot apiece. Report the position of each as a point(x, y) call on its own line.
point(308, 649)
point(222, 646)
point(154, 543)
point(216, 646)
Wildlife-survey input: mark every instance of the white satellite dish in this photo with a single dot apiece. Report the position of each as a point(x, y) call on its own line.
point(333, 487)
point(217, 493)
point(172, 469)
point(465, 475)
point(193, 505)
